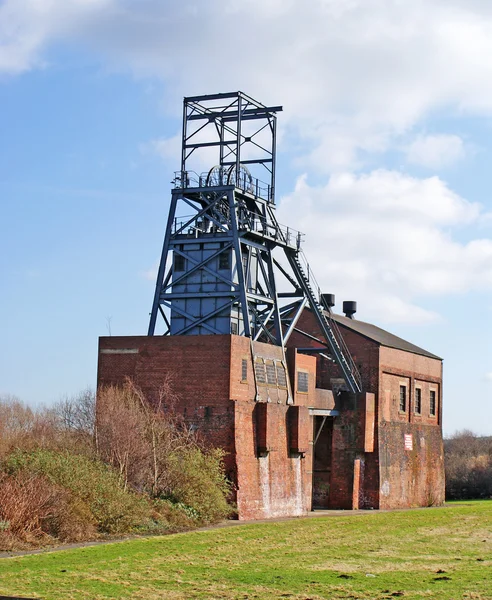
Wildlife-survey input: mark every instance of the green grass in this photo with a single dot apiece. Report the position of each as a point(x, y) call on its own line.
point(443, 553)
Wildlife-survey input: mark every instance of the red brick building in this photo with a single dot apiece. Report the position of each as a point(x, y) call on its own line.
point(295, 439)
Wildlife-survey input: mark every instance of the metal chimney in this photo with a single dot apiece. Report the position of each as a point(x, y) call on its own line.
point(349, 308)
point(328, 300)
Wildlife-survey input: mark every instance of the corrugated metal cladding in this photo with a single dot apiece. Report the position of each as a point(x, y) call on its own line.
point(200, 284)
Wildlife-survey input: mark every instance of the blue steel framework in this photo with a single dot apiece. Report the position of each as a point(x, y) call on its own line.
point(218, 273)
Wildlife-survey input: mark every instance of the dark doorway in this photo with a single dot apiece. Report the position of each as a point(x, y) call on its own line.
point(322, 454)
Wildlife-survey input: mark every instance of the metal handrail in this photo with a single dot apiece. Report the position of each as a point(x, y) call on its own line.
point(249, 221)
point(328, 315)
point(252, 185)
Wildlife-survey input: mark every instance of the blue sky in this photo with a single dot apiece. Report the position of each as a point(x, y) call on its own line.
point(383, 161)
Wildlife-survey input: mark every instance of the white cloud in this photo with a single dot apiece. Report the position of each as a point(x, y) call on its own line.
point(435, 151)
point(488, 376)
point(386, 238)
point(151, 274)
point(354, 75)
point(169, 149)
point(28, 26)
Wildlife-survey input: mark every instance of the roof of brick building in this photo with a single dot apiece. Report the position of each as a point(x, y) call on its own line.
point(381, 336)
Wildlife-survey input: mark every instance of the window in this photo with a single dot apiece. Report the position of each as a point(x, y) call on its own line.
point(244, 370)
point(403, 398)
point(234, 328)
point(432, 403)
point(302, 381)
point(418, 400)
point(179, 262)
point(225, 260)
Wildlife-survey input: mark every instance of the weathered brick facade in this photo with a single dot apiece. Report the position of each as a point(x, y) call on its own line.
point(394, 458)
point(293, 438)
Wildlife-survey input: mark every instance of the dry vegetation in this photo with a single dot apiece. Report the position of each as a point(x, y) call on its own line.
point(468, 460)
point(69, 474)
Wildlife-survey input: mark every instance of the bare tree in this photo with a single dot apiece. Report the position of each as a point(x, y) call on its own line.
point(139, 437)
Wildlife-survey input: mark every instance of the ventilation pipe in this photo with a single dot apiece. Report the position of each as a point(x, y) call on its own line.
point(349, 308)
point(328, 300)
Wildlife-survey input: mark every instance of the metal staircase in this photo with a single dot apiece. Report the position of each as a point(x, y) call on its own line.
point(329, 328)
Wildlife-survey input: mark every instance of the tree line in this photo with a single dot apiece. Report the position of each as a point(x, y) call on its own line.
point(468, 463)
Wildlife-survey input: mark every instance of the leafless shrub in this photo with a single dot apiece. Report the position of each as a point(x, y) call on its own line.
point(137, 437)
point(33, 509)
point(53, 481)
point(468, 461)
point(156, 453)
point(75, 422)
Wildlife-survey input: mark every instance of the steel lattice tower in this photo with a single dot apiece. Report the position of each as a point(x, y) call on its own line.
point(227, 265)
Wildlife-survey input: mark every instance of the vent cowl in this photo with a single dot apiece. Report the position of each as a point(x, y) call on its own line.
point(349, 308)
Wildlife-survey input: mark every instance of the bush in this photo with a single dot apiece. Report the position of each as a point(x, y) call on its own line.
point(69, 474)
point(158, 454)
point(34, 510)
point(196, 480)
point(94, 487)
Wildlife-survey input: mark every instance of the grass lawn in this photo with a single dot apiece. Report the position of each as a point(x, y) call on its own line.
point(431, 553)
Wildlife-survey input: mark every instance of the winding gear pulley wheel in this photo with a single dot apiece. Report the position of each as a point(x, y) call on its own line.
point(217, 176)
point(220, 175)
point(243, 181)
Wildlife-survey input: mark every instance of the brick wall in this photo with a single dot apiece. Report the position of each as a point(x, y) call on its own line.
point(365, 353)
point(218, 394)
point(272, 481)
point(366, 474)
point(199, 367)
point(410, 444)
point(411, 465)
point(355, 468)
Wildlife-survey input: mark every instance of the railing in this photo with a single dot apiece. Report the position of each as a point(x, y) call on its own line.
point(327, 314)
point(223, 176)
point(248, 221)
point(279, 233)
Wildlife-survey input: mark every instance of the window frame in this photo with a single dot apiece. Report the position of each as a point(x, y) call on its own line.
point(306, 375)
point(259, 367)
point(244, 370)
point(432, 403)
point(282, 380)
point(271, 373)
point(418, 393)
point(180, 260)
point(403, 388)
point(224, 262)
